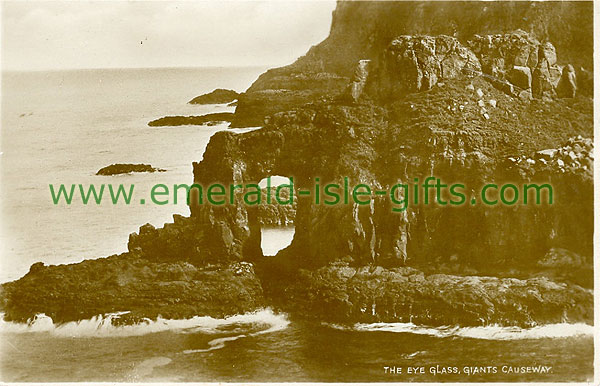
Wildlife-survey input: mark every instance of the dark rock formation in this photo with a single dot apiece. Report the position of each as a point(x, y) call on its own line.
point(500, 53)
point(422, 135)
point(275, 214)
point(520, 76)
point(218, 96)
point(363, 30)
point(341, 293)
point(191, 240)
point(127, 168)
point(207, 119)
point(417, 63)
point(565, 266)
point(174, 290)
point(359, 80)
point(567, 86)
point(381, 107)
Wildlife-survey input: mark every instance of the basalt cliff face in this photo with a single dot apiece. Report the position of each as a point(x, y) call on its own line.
point(398, 92)
point(363, 30)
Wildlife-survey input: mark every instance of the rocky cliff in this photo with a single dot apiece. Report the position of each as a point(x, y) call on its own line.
point(474, 93)
point(363, 30)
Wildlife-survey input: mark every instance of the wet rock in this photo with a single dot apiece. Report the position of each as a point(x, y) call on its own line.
point(382, 295)
point(173, 290)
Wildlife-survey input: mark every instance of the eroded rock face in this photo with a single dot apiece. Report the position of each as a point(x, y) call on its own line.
point(500, 53)
point(425, 263)
point(567, 86)
point(360, 79)
point(341, 294)
point(417, 63)
point(173, 290)
point(363, 30)
point(519, 58)
point(384, 146)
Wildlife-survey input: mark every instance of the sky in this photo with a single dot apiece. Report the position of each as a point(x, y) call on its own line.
point(115, 34)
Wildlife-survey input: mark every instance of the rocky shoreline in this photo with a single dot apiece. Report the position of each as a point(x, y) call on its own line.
point(469, 105)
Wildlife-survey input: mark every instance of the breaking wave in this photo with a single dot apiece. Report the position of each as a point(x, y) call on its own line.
point(218, 343)
point(102, 325)
point(494, 332)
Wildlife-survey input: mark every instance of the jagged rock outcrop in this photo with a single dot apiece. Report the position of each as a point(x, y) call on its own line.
point(270, 212)
point(567, 86)
point(200, 242)
point(173, 290)
point(359, 80)
point(339, 293)
point(417, 63)
point(521, 59)
point(500, 53)
point(363, 30)
point(419, 136)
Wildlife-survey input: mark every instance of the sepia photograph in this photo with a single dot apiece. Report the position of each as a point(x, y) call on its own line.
point(297, 191)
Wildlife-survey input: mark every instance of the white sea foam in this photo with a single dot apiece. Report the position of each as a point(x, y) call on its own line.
point(277, 324)
point(492, 332)
point(146, 367)
point(242, 130)
point(102, 326)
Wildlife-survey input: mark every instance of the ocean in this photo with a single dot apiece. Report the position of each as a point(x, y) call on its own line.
point(60, 127)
